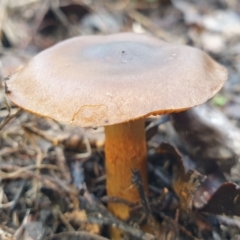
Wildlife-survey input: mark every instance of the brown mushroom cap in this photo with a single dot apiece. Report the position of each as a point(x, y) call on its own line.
point(105, 80)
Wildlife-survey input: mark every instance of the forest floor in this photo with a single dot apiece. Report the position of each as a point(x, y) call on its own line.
point(52, 176)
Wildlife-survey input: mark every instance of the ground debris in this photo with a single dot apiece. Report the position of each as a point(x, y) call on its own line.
point(52, 176)
point(225, 200)
point(185, 182)
point(75, 236)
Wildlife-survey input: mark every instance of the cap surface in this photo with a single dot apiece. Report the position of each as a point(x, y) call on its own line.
point(102, 80)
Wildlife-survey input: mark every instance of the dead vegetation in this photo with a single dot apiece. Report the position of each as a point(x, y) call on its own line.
point(52, 176)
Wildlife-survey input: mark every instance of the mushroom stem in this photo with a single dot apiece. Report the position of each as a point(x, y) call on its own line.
point(125, 149)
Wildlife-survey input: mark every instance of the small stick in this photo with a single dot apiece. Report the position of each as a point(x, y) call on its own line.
point(9, 117)
point(137, 181)
point(65, 222)
point(108, 199)
point(19, 171)
point(76, 235)
point(147, 23)
point(134, 232)
point(61, 162)
point(17, 196)
point(92, 206)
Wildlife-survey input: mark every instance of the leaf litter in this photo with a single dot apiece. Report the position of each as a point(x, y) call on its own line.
point(53, 176)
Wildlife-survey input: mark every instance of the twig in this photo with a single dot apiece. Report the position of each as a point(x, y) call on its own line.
point(5, 235)
point(8, 150)
point(39, 158)
point(108, 199)
point(63, 185)
point(88, 152)
point(54, 183)
point(8, 118)
point(65, 222)
point(137, 181)
point(61, 162)
point(92, 206)
point(22, 170)
point(147, 23)
point(134, 232)
point(7, 229)
point(38, 18)
point(40, 133)
point(181, 228)
point(20, 230)
point(2, 195)
point(154, 202)
point(13, 203)
point(76, 235)
point(56, 141)
point(54, 6)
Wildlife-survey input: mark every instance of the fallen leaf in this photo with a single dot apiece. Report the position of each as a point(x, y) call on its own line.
point(185, 182)
point(226, 200)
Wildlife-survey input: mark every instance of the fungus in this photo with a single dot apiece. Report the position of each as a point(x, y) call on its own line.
point(116, 81)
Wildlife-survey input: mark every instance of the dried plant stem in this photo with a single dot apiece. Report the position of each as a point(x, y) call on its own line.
point(8, 118)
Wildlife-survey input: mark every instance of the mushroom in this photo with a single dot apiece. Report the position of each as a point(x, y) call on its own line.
point(116, 81)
